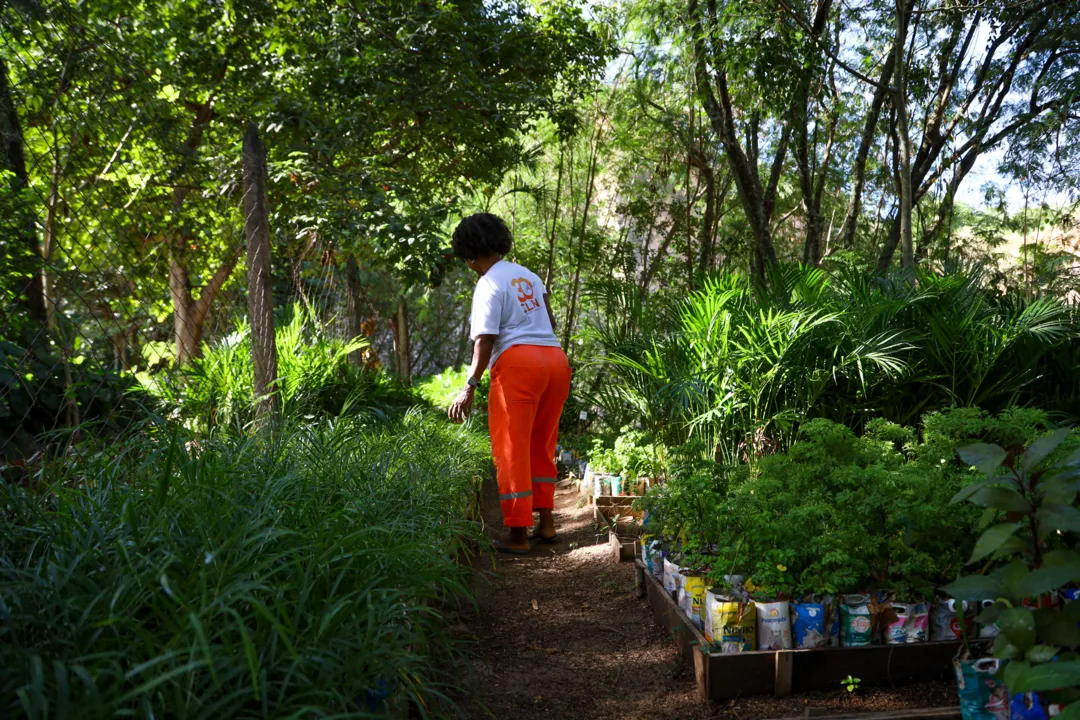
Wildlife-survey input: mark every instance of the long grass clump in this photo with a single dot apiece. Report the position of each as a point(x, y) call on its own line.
point(220, 578)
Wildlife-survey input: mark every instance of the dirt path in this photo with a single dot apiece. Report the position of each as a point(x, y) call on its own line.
point(589, 649)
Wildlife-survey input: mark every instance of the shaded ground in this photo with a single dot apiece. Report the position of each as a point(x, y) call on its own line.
point(560, 636)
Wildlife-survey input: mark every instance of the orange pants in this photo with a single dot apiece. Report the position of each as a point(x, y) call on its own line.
point(529, 386)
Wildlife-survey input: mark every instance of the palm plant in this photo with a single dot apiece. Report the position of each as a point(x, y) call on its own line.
point(744, 366)
point(314, 376)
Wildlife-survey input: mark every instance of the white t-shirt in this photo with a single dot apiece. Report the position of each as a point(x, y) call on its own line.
point(509, 303)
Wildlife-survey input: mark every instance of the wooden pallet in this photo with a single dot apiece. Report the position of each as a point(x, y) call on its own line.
point(769, 672)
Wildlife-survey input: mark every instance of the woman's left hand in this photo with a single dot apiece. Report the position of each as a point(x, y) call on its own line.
point(459, 409)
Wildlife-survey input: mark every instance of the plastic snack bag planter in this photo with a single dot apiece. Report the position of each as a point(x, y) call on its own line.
point(945, 621)
point(814, 624)
point(982, 695)
point(616, 485)
point(672, 578)
point(908, 623)
point(856, 625)
point(730, 625)
point(773, 625)
point(692, 599)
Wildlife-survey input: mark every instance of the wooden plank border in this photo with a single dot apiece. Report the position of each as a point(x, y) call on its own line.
point(765, 672)
point(622, 550)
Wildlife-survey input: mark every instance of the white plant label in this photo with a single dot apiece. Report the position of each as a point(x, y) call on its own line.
point(583, 416)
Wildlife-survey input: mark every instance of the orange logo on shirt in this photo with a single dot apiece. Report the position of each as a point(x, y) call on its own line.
point(526, 294)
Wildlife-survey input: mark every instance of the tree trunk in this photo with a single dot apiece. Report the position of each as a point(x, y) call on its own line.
point(754, 198)
point(808, 170)
point(48, 290)
point(260, 277)
point(355, 311)
point(401, 341)
point(189, 315)
point(187, 332)
point(650, 269)
point(590, 179)
point(187, 325)
point(32, 286)
point(554, 222)
point(689, 202)
point(858, 172)
point(706, 237)
point(900, 93)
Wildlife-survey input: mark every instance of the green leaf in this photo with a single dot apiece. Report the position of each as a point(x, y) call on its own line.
point(1072, 460)
point(990, 614)
point(1045, 580)
point(1056, 558)
point(968, 490)
point(988, 516)
point(1012, 672)
point(1012, 574)
point(975, 587)
point(1018, 625)
point(1041, 653)
point(1042, 447)
point(1016, 545)
point(1005, 649)
point(1001, 498)
point(1056, 627)
point(1040, 678)
point(992, 539)
point(1058, 489)
point(1059, 517)
point(983, 457)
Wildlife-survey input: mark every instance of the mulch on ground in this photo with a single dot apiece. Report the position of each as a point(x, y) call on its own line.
point(560, 635)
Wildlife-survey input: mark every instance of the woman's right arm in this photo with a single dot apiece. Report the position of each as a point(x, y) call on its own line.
point(459, 409)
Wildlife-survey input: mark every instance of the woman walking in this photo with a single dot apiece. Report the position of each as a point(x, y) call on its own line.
point(513, 330)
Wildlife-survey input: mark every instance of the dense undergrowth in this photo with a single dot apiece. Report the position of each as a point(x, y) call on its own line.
point(840, 512)
point(214, 576)
point(315, 378)
point(742, 367)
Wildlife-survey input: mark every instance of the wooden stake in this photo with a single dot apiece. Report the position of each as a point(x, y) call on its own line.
point(260, 292)
point(782, 677)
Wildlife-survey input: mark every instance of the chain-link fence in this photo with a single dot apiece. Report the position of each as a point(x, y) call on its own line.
point(123, 240)
point(79, 241)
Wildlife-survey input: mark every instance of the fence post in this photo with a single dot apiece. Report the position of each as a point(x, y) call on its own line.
point(260, 295)
point(402, 341)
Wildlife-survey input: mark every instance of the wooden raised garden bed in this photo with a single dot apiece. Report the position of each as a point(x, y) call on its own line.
point(623, 547)
point(606, 513)
point(771, 672)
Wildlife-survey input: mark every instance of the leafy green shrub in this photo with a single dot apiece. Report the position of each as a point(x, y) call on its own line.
point(842, 513)
point(315, 376)
point(163, 576)
point(635, 454)
point(602, 458)
point(441, 390)
point(838, 512)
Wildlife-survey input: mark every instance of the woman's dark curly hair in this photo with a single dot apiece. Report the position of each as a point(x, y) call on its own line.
point(481, 234)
